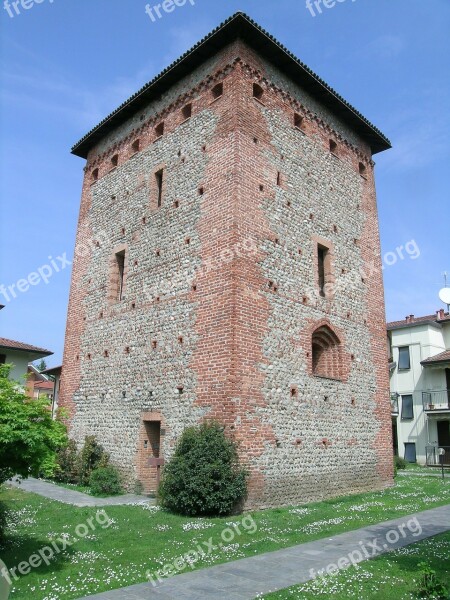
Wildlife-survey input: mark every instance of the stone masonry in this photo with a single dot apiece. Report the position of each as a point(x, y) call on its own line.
point(227, 266)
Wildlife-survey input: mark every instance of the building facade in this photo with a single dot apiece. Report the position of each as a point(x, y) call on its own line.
point(20, 355)
point(228, 216)
point(420, 387)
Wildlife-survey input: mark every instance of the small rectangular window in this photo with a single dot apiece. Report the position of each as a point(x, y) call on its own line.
point(258, 92)
point(120, 258)
point(159, 130)
point(407, 407)
point(333, 147)
point(159, 176)
point(298, 121)
point(217, 91)
point(187, 112)
point(322, 254)
point(404, 361)
point(136, 145)
point(2, 359)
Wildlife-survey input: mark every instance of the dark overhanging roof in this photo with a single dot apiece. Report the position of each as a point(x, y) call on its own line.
point(237, 26)
point(6, 344)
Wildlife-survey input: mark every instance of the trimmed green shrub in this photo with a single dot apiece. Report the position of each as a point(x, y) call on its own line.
point(90, 458)
point(400, 462)
point(68, 463)
point(105, 480)
point(204, 476)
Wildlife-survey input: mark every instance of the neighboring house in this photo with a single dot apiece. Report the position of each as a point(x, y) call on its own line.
point(34, 377)
point(420, 387)
point(20, 355)
point(220, 206)
point(55, 374)
point(44, 389)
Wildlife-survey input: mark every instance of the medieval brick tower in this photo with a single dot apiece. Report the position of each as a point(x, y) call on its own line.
point(227, 266)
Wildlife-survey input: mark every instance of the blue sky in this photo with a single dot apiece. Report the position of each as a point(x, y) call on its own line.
point(65, 64)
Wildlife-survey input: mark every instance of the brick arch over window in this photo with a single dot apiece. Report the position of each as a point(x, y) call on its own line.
point(326, 353)
point(325, 342)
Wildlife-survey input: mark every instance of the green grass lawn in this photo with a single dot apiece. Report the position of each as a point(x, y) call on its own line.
point(391, 577)
point(143, 538)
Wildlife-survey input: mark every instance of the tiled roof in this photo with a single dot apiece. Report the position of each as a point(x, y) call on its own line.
point(404, 322)
point(21, 346)
point(44, 385)
point(442, 357)
point(237, 26)
point(408, 322)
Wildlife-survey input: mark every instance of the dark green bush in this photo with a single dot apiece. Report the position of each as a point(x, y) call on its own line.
point(68, 464)
point(400, 462)
point(204, 476)
point(90, 458)
point(105, 480)
point(3, 521)
point(430, 585)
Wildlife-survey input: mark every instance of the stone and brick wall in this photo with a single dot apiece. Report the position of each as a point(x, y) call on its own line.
point(221, 297)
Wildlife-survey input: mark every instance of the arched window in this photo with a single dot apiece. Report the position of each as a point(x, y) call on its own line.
point(326, 353)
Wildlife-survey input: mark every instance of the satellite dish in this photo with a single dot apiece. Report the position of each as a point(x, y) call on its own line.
point(444, 295)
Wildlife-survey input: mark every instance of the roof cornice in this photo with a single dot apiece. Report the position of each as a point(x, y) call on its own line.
point(238, 26)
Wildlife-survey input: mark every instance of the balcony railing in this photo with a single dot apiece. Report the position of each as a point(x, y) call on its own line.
point(436, 400)
point(394, 404)
point(433, 458)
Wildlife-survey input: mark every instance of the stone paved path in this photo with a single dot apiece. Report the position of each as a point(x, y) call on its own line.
point(246, 578)
point(61, 494)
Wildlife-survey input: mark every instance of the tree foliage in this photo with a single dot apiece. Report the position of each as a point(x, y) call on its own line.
point(29, 437)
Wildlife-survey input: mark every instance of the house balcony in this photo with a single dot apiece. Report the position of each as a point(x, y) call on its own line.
point(436, 401)
point(433, 457)
point(394, 404)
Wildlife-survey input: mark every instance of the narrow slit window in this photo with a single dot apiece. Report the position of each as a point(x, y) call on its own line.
point(115, 160)
point(298, 121)
point(362, 169)
point(136, 145)
point(217, 91)
point(120, 259)
point(279, 178)
point(258, 92)
point(159, 176)
point(187, 112)
point(159, 130)
point(333, 147)
point(95, 175)
point(322, 253)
